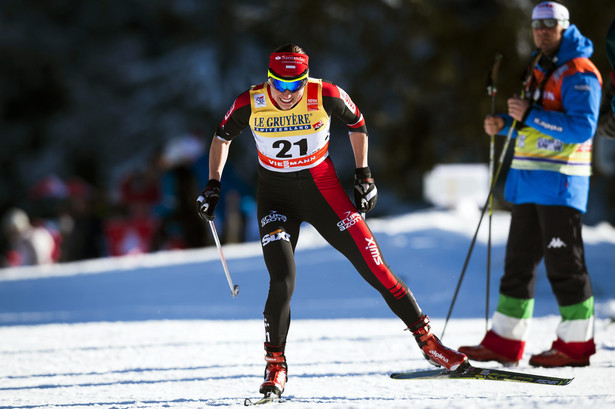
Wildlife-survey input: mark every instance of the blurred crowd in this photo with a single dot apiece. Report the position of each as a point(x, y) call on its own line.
point(149, 207)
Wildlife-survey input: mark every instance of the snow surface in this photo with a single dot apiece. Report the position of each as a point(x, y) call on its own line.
point(162, 330)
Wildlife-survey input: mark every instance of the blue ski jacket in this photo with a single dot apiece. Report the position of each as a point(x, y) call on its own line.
point(552, 160)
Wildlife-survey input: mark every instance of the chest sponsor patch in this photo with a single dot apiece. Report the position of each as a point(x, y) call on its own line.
point(260, 101)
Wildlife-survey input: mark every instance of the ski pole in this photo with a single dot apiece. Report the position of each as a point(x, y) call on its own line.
point(492, 90)
point(528, 77)
point(482, 214)
point(234, 288)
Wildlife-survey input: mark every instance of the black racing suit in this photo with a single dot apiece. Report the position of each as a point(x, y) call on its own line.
point(312, 194)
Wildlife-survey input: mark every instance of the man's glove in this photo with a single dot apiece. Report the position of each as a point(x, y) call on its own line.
point(207, 201)
point(365, 192)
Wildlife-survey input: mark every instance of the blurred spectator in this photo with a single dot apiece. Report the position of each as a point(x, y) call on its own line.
point(71, 209)
point(28, 244)
point(130, 235)
point(234, 208)
point(47, 197)
point(154, 207)
point(186, 161)
point(181, 227)
point(142, 187)
point(80, 222)
point(134, 225)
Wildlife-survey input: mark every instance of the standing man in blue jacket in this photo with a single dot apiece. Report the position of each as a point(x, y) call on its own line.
point(554, 122)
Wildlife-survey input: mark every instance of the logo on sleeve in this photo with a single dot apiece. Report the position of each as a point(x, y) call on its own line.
point(582, 87)
point(346, 98)
point(230, 111)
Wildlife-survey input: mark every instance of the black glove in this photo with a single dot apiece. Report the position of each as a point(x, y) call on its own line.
point(207, 201)
point(365, 192)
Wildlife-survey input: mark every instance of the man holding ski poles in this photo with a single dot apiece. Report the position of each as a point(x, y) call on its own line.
point(289, 116)
point(548, 184)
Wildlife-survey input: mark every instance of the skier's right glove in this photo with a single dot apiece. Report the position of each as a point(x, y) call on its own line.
point(207, 201)
point(365, 192)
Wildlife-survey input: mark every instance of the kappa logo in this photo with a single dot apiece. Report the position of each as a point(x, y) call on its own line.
point(556, 243)
point(546, 125)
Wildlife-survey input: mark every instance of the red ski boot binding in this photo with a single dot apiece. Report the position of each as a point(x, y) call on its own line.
point(433, 350)
point(275, 374)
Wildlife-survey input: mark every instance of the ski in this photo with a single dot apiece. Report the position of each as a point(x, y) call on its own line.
point(268, 398)
point(483, 374)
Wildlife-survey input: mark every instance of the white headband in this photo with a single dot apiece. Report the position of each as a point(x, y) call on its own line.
point(550, 9)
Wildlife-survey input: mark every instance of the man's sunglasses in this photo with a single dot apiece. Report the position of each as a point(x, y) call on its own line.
point(545, 22)
point(291, 85)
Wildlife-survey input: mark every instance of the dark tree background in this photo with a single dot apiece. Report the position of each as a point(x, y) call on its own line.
point(89, 87)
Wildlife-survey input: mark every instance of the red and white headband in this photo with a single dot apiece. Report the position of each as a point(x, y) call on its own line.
point(288, 65)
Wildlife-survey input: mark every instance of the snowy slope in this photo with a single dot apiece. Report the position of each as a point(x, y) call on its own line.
point(162, 330)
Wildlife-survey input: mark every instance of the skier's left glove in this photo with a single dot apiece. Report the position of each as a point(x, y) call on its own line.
point(365, 192)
